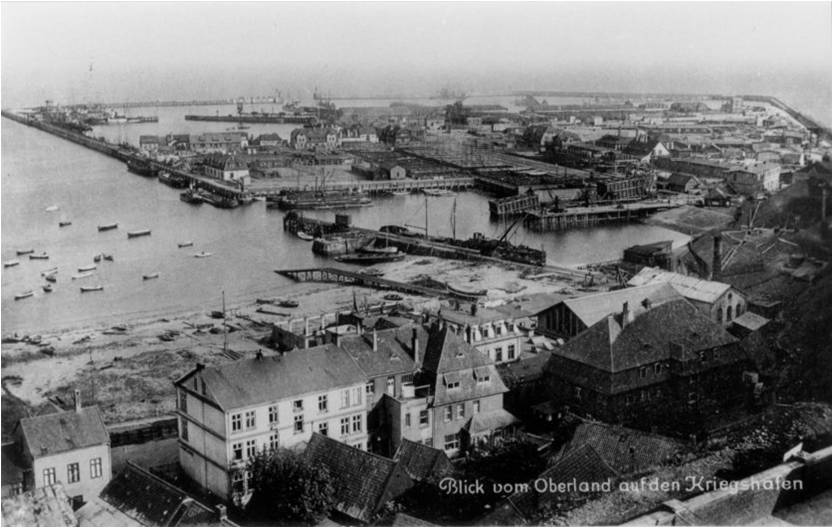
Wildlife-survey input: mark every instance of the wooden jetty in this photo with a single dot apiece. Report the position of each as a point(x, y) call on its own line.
point(589, 216)
point(383, 186)
point(513, 205)
point(342, 276)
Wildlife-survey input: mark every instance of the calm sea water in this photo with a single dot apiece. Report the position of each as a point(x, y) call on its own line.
point(247, 244)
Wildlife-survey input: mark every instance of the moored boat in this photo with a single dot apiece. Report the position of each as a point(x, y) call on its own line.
point(191, 197)
point(107, 257)
point(304, 236)
point(134, 234)
point(10, 263)
point(185, 244)
point(321, 200)
point(47, 288)
point(87, 268)
point(370, 258)
point(202, 254)
point(97, 287)
point(148, 276)
point(141, 167)
point(23, 295)
point(400, 193)
point(387, 250)
point(39, 256)
point(82, 275)
point(97, 258)
point(51, 278)
point(288, 303)
point(437, 192)
point(107, 227)
point(51, 208)
point(172, 180)
point(25, 251)
point(466, 292)
point(64, 223)
point(50, 271)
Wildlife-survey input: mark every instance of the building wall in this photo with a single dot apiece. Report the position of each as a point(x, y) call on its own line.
point(493, 339)
point(443, 427)
point(86, 486)
point(559, 321)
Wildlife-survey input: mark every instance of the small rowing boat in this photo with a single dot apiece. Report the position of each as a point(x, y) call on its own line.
point(134, 234)
point(51, 278)
point(107, 227)
point(50, 271)
point(47, 288)
point(288, 303)
point(185, 244)
point(23, 295)
point(97, 258)
point(51, 208)
point(10, 263)
point(466, 292)
point(305, 236)
point(107, 257)
point(85, 289)
point(40, 256)
point(64, 223)
point(82, 275)
point(154, 275)
point(87, 268)
point(202, 254)
point(24, 251)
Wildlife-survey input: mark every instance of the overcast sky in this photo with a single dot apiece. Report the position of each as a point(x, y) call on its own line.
point(177, 50)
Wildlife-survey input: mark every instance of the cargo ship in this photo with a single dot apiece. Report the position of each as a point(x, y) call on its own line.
point(320, 200)
point(141, 167)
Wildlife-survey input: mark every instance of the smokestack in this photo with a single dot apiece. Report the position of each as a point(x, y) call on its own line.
point(626, 314)
point(415, 348)
point(717, 256)
point(77, 400)
point(375, 341)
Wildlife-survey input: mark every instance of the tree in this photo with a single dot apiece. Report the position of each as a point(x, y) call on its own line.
point(288, 489)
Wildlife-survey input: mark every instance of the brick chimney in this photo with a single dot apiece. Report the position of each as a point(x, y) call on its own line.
point(717, 256)
point(77, 394)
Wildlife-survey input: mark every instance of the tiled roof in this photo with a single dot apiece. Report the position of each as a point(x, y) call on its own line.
point(591, 309)
point(153, 502)
point(525, 369)
point(421, 462)
point(46, 506)
point(254, 381)
point(640, 148)
point(363, 482)
point(608, 347)
point(50, 434)
point(692, 288)
point(625, 450)
point(463, 317)
point(393, 352)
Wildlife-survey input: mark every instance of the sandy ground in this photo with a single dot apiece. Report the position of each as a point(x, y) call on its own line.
point(130, 374)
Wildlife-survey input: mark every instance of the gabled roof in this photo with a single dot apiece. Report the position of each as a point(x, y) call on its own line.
point(640, 148)
point(692, 288)
point(591, 309)
point(625, 450)
point(363, 481)
point(393, 352)
point(610, 347)
point(421, 462)
point(151, 501)
point(271, 378)
point(50, 434)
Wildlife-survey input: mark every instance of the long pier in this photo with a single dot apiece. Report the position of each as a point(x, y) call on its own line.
point(588, 216)
point(342, 276)
point(382, 186)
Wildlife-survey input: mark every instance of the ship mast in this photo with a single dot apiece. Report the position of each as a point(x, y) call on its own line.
point(454, 219)
point(225, 328)
point(426, 217)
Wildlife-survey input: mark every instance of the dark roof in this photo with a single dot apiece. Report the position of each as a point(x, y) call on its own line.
point(393, 352)
point(640, 148)
point(271, 378)
point(526, 369)
point(363, 482)
point(650, 249)
point(421, 462)
point(609, 347)
point(448, 354)
point(50, 434)
point(681, 179)
point(153, 502)
point(625, 450)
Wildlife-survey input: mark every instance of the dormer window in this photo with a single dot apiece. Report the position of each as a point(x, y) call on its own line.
point(481, 374)
point(452, 380)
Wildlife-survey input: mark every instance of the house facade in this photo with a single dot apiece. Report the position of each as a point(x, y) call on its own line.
point(71, 448)
point(491, 332)
point(227, 414)
point(222, 142)
point(227, 168)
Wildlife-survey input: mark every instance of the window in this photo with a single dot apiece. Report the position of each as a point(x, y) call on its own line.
point(357, 423)
point(345, 426)
point(481, 374)
point(644, 395)
point(251, 448)
point(17, 489)
point(499, 354)
point(357, 396)
point(719, 315)
point(461, 410)
point(324, 428)
point(451, 442)
point(298, 405)
point(183, 428)
point(369, 388)
point(298, 426)
point(448, 412)
point(728, 314)
point(657, 368)
point(476, 407)
point(702, 355)
point(73, 473)
point(238, 481)
point(236, 422)
point(250, 419)
point(49, 476)
point(423, 418)
point(345, 398)
point(577, 392)
point(359, 446)
point(453, 385)
point(322, 403)
point(407, 419)
point(510, 352)
point(273, 414)
point(391, 386)
point(273, 441)
point(643, 372)
point(407, 378)
point(95, 468)
point(237, 450)
point(183, 401)
point(202, 386)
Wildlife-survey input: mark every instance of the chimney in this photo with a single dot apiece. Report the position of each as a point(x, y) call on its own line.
point(222, 516)
point(77, 393)
point(626, 314)
point(468, 334)
point(338, 338)
point(717, 256)
point(375, 341)
point(415, 348)
point(259, 354)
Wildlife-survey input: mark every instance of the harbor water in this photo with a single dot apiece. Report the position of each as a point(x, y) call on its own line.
point(40, 171)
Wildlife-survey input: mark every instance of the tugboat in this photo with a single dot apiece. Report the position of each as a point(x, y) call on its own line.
point(191, 197)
